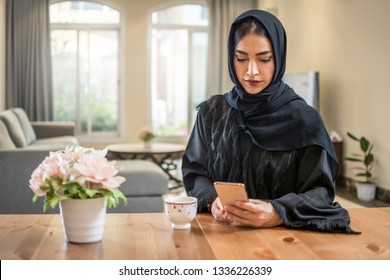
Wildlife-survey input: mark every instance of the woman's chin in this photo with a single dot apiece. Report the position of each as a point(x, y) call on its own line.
point(253, 91)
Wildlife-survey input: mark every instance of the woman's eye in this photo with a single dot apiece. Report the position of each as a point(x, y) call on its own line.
point(240, 59)
point(266, 60)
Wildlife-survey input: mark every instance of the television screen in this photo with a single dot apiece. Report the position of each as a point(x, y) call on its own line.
point(306, 85)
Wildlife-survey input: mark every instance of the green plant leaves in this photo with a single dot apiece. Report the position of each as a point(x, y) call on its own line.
point(113, 198)
point(367, 158)
point(354, 159)
point(73, 190)
point(365, 174)
point(352, 136)
point(364, 144)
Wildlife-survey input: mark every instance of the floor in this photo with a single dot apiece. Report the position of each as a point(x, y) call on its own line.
point(347, 203)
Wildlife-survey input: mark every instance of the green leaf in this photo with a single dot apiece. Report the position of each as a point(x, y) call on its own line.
point(44, 188)
point(111, 201)
point(359, 168)
point(354, 159)
point(54, 201)
point(352, 136)
point(365, 174)
point(119, 194)
point(73, 190)
point(45, 205)
point(356, 155)
point(113, 198)
point(368, 159)
point(91, 193)
point(364, 144)
point(83, 195)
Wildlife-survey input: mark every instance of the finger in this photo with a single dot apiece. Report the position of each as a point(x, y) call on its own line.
point(234, 212)
point(220, 214)
point(255, 201)
point(249, 206)
point(238, 216)
point(219, 203)
point(239, 221)
point(255, 205)
point(258, 202)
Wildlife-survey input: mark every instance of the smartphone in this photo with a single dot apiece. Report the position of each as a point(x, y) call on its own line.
point(229, 192)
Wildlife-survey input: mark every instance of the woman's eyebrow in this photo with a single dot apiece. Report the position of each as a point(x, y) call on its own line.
point(259, 53)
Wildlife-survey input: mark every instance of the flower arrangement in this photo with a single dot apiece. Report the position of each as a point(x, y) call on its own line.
point(145, 134)
point(76, 173)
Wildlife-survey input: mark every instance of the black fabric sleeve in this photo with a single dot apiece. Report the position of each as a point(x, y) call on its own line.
point(196, 178)
point(311, 206)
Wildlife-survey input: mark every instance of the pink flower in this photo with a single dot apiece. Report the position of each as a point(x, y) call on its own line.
point(76, 173)
point(145, 134)
point(37, 180)
point(54, 167)
point(97, 170)
point(87, 167)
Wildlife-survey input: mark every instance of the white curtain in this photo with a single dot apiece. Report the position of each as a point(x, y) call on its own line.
point(28, 58)
point(221, 16)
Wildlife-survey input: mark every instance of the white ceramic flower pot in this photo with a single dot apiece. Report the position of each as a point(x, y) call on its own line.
point(365, 191)
point(83, 220)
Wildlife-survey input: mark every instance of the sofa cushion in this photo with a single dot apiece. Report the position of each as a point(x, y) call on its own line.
point(53, 143)
point(28, 130)
point(143, 177)
point(5, 140)
point(14, 128)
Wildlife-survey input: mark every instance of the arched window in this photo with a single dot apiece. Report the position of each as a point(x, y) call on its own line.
point(178, 56)
point(85, 41)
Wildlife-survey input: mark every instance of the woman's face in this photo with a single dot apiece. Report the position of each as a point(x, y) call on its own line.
point(254, 63)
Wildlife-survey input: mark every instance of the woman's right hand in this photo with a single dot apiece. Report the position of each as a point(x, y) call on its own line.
point(218, 213)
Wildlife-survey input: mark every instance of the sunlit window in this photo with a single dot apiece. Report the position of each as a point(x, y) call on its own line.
point(179, 36)
point(85, 58)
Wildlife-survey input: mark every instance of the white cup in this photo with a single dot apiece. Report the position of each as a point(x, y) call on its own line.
point(181, 210)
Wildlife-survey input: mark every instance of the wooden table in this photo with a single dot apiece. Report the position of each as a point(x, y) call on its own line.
point(164, 155)
point(150, 237)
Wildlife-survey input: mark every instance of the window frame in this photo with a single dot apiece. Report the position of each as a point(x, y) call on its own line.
point(119, 27)
point(191, 29)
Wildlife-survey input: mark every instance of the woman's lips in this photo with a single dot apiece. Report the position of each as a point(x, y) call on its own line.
point(252, 83)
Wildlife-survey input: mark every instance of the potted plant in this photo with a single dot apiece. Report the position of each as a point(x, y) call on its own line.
point(83, 182)
point(366, 188)
point(146, 135)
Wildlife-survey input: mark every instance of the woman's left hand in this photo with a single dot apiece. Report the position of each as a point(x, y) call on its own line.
point(254, 213)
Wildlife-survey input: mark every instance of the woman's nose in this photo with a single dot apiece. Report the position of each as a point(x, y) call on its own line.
point(252, 69)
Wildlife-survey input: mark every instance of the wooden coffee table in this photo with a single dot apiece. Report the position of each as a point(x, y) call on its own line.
point(149, 236)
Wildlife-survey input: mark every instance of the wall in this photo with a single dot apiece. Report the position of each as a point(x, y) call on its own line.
point(2, 54)
point(347, 41)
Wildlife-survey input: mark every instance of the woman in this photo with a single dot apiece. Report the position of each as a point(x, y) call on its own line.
point(264, 135)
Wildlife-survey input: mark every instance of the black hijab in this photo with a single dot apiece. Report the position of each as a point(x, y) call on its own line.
point(276, 118)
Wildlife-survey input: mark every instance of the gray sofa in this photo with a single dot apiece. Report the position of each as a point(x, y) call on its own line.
point(18, 132)
point(144, 186)
point(25, 144)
